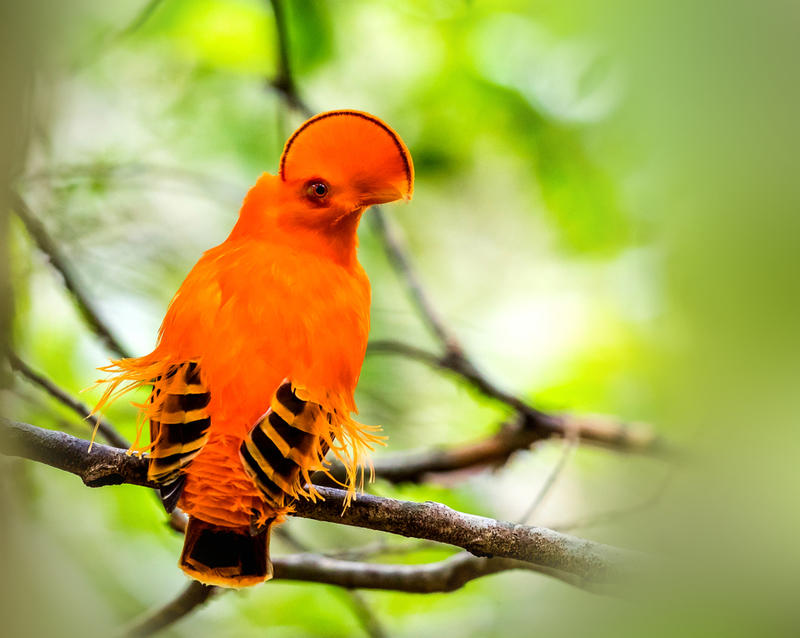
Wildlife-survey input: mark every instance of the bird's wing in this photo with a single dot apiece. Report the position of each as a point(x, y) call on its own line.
point(178, 427)
point(285, 447)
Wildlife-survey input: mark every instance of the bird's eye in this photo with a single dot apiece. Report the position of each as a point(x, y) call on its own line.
point(319, 189)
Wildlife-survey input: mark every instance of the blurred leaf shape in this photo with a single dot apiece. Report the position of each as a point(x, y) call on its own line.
point(236, 35)
point(310, 37)
point(580, 194)
point(569, 80)
point(567, 86)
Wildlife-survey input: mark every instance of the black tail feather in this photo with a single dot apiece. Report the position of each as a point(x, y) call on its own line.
point(171, 492)
point(225, 556)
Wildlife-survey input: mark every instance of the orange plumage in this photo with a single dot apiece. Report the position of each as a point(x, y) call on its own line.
point(260, 352)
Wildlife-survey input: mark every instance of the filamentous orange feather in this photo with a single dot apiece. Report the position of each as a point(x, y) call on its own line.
point(260, 351)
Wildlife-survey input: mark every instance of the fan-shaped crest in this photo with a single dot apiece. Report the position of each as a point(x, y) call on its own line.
point(351, 146)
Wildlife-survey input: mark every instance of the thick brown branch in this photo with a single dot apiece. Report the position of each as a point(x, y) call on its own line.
point(50, 248)
point(177, 519)
point(589, 561)
point(478, 535)
point(104, 465)
point(442, 576)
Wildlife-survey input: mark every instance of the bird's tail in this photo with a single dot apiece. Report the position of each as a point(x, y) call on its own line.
point(226, 556)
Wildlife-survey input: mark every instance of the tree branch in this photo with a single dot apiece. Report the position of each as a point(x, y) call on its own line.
point(589, 561)
point(284, 81)
point(177, 519)
point(446, 575)
point(463, 368)
point(495, 450)
point(50, 248)
point(363, 611)
point(571, 441)
point(104, 428)
point(396, 253)
point(195, 595)
point(478, 535)
point(105, 465)
point(534, 425)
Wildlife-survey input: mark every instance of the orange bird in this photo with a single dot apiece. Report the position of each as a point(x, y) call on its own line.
point(260, 352)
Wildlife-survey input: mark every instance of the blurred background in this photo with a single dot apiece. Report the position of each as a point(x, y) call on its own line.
point(605, 213)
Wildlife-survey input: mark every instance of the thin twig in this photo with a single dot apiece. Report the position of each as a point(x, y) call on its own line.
point(104, 428)
point(513, 436)
point(611, 516)
point(364, 613)
point(50, 248)
point(139, 21)
point(568, 447)
point(462, 367)
point(195, 595)
point(396, 253)
point(284, 81)
point(151, 173)
point(591, 562)
point(112, 38)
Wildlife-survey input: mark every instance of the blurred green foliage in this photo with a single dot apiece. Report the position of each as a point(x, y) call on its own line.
point(601, 213)
point(148, 144)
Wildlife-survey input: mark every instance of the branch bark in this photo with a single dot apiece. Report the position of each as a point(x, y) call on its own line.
point(479, 535)
point(447, 575)
point(589, 561)
point(495, 450)
point(105, 465)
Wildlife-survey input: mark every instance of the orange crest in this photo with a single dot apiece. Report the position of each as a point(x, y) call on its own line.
point(352, 147)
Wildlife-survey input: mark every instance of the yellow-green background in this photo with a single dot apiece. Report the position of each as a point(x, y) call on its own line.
point(605, 212)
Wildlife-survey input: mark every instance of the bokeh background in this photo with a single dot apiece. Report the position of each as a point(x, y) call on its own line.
point(606, 213)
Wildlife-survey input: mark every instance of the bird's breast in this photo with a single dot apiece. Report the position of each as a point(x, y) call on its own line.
point(299, 317)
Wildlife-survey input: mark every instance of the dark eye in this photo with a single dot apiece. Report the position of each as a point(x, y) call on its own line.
point(318, 189)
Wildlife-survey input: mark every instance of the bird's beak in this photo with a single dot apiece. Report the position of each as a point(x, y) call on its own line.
point(381, 195)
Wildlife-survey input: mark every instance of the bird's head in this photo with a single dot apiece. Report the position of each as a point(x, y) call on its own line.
point(347, 160)
point(332, 169)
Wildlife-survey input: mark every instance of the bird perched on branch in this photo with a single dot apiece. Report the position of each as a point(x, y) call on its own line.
point(261, 348)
